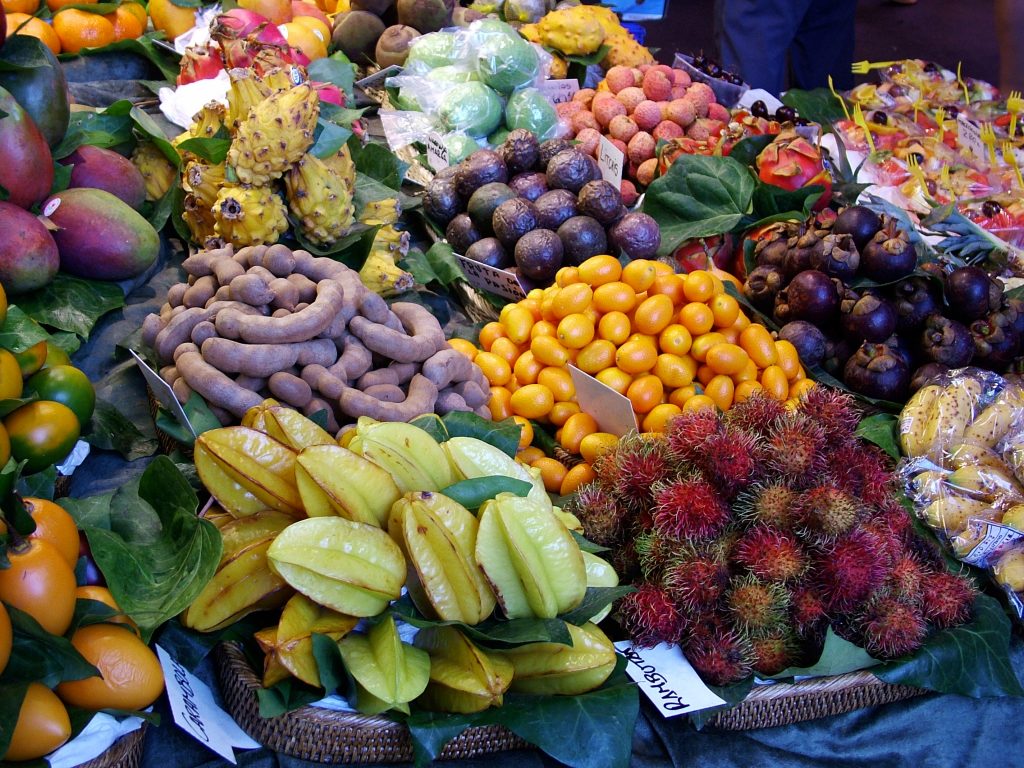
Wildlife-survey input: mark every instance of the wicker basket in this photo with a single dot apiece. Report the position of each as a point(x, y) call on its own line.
point(126, 752)
point(326, 736)
point(768, 706)
point(166, 443)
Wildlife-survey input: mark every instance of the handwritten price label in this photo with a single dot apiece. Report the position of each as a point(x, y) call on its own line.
point(492, 280)
point(612, 411)
point(610, 159)
point(560, 91)
point(378, 77)
point(969, 136)
point(667, 679)
point(437, 152)
point(162, 392)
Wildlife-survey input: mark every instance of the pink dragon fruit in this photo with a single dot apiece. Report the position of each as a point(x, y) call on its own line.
point(200, 62)
point(792, 162)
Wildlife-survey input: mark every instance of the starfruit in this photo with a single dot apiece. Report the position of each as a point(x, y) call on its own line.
point(288, 426)
point(352, 568)
point(553, 668)
point(474, 458)
point(244, 582)
point(438, 536)
point(240, 467)
point(463, 677)
point(255, 417)
point(600, 574)
point(289, 645)
point(410, 454)
point(532, 562)
point(334, 481)
point(388, 673)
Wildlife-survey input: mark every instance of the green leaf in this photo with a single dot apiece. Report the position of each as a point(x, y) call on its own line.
point(472, 493)
point(698, 197)
point(818, 105)
point(595, 601)
point(155, 553)
point(111, 430)
point(213, 150)
point(288, 695)
point(162, 209)
point(492, 632)
point(591, 58)
point(110, 128)
point(370, 190)
point(11, 696)
point(14, 403)
point(38, 656)
point(377, 162)
point(432, 423)
point(14, 512)
point(61, 177)
point(882, 429)
point(351, 249)
point(746, 150)
point(19, 331)
point(443, 263)
point(329, 664)
point(969, 660)
point(72, 304)
point(91, 612)
point(328, 138)
point(335, 69)
point(39, 485)
point(588, 546)
point(772, 202)
point(838, 656)
point(199, 416)
point(503, 435)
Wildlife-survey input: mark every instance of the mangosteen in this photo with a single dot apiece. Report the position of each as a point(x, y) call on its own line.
point(763, 285)
point(836, 256)
point(582, 237)
point(549, 149)
point(555, 207)
point(889, 255)
point(875, 370)
point(520, 151)
point(1015, 309)
point(996, 341)
point(860, 223)
point(914, 300)
point(812, 296)
point(481, 167)
point(972, 294)
point(461, 233)
point(484, 201)
point(870, 319)
point(602, 200)
point(773, 245)
point(926, 374)
point(637, 235)
point(539, 255)
point(902, 347)
point(569, 169)
point(530, 185)
point(489, 251)
point(801, 249)
point(513, 219)
point(808, 339)
point(946, 341)
point(442, 200)
point(837, 352)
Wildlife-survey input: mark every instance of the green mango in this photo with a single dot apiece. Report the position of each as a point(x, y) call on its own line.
point(39, 87)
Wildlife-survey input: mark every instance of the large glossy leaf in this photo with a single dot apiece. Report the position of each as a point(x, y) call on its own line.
point(72, 304)
point(882, 429)
point(11, 696)
point(594, 601)
point(503, 435)
point(19, 331)
point(491, 632)
point(818, 105)
point(111, 430)
point(474, 492)
point(838, 656)
point(142, 46)
point(38, 656)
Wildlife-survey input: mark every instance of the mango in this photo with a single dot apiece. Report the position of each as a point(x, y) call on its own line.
point(98, 168)
point(28, 254)
point(27, 168)
point(38, 84)
point(99, 236)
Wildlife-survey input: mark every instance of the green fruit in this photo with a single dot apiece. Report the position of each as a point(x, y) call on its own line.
point(531, 109)
point(438, 49)
point(42, 433)
point(451, 74)
point(506, 61)
point(460, 147)
point(471, 107)
point(67, 385)
point(38, 84)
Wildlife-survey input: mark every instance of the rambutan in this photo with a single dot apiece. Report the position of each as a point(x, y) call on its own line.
point(729, 460)
point(833, 410)
point(793, 448)
point(685, 434)
point(650, 617)
point(861, 470)
point(895, 518)
point(602, 518)
point(720, 657)
point(755, 605)
point(696, 577)
point(890, 545)
point(774, 651)
point(771, 554)
point(906, 578)
point(850, 570)
point(632, 467)
point(824, 513)
point(947, 598)
point(807, 611)
point(768, 504)
point(689, 509)
point(653, 551)
point(757, 414)
point(891, 627)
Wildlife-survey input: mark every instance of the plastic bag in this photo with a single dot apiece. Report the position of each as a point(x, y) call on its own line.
point(727, 94)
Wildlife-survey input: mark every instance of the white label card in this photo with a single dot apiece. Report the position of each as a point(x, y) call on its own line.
point(560, 91)
point(162, 392)
point(995, 541)
point(197, 713)
point(612, 411)
point(667, 679)
point(437, 152)
point(491, 279)
point(969, 136)
point(610, 159)
point(377, 77)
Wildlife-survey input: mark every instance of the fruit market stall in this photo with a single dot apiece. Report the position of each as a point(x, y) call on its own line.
point(396, 382)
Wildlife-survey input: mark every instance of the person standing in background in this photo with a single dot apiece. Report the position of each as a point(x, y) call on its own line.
point(1010, 32)
point(808, 40)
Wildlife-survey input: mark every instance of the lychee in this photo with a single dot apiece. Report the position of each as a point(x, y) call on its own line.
point(850, 570)
point(605, 107)
point(596, 508)
point(646, 170)
point(689, 509)
point(630, 97)
point(947, 599)
point(647, 115)
point(650, 617)
point(628, 192)
point(665, 69)
point(622, 128)
point(718, 112)
point(680, 77)
point(702, 97)
point(657, 85)
point(703, 128)
point(686, 434)
point(729, 459)
point(589, 141)
point(824, 513)
point(696, 577)
point(568, 109)
point(666, 130)
point(640, 147)
point(680, 112)
point(678, 91)
point(756, 605)
point(770, 504)
point(620, 145)
point(584, 96)
point(773, 652)
point(891, 627)
point(771, 554)
point(619, 78)
point(720, 657)
point(584, 119)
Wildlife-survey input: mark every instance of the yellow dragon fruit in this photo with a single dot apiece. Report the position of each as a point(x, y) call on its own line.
point(203, 181)
point(249, 215)
point(277, 132)
point(199, 220)
point(157, 171)
point(573, 31)
point(247, 90)
point(320, 198)
point(208, 120)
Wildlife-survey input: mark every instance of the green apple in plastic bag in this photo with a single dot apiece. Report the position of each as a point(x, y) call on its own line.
point(504, 60)
point(437, 49)
point(532, 110)
point(472, 108)
point(451, 74)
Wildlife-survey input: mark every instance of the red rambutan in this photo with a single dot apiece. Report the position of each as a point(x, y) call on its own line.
point(768, 504)
point(654, 550)
point(689, 509)
point(906, 578)
point(755, 605)
point(891, 627)
point(861, 470)
point(650, 617)
point(729, 460)
point(757, 414)
point(894, 517)
point(794, 446)
point(824, 513)
point(890, 546)
point(632, 467)
point(720, 657)
point(807, 610)
point(771, 554)
point(685, 434)
point(948, 598)
point(602, 518)
point(774, 651)
point(696, 577)
point(850, 570)
point(833, 410)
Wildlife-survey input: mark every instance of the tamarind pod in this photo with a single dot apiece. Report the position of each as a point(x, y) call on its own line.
point(317, 405)
point(413, 347)
point(251, 289)
point(177, 331)
point(483, 412)
point(286, 295)
point(336, 328)
point(354, 360)
point(386, 393)
point(215, 387)
point(316, 268)
point(249, 255)
point(448, 400)
point(300, 306)
point(176, 293)
point(290, 388)
point(226, 419)
point(323, 381)
point(263, 360)
point(305, 286)
point(202, 263)
point(420, 399)
point(373, 308)
point(151, 326)
point(417, 319)
point(203, 331)
point(226, 270)
point(280, 313)
point(472, 393)
point(447, 366)
point(166, 310)
point(223, 294)
point(379, 376)
point(181, 390)
point(169, 373)
point(279, 259)
point(404, 371)
point(188, 346)
point(300, 326)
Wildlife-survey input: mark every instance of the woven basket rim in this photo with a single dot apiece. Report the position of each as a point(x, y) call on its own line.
point(126, 752)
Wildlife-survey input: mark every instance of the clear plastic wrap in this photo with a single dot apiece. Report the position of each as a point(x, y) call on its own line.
point(963, 436)
point(727, 94)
